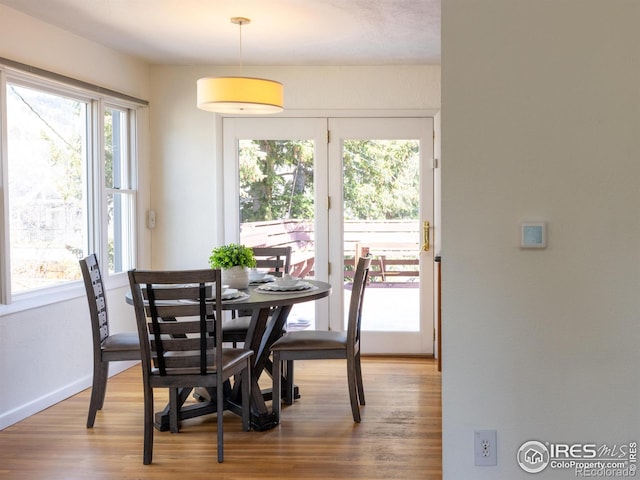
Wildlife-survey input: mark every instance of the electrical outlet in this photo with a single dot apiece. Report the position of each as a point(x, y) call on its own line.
point(485, 448)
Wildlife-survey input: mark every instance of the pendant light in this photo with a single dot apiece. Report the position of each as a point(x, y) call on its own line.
point(239, 95)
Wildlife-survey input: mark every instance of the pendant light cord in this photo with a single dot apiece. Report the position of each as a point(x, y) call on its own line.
point(240, 21)
point(241, 47)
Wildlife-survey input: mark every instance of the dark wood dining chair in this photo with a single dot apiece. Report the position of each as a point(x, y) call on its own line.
point(107, 347)
point(185, 350)
point(277, 260)
point(315, 345)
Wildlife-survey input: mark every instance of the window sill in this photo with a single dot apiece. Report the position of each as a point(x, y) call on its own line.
point(62, 293)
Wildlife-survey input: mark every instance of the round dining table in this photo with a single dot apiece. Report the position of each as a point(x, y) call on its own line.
point(270, 309)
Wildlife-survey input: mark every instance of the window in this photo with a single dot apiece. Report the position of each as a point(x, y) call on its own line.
point(69, 184)
point(120, 194)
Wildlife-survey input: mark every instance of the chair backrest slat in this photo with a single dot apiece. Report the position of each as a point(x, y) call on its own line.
point(187, 364)
point(172, 292)
point(172, 327)
point(177, 310)
point(183, 344)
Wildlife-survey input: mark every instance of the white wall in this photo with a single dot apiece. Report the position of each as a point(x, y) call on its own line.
point(541, 101)
point(45, 353)
point(24, 39)
point(186, 148)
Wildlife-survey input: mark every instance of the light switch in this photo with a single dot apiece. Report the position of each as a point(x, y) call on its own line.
point(151, 219)
point(533, 235)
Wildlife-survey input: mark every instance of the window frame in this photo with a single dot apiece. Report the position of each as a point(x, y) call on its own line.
point(130, 190)
point(97, 221)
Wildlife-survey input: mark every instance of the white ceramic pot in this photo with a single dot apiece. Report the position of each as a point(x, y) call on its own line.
point(236, 277)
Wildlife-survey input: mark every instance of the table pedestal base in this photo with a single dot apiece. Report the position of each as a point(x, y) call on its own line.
point(260, 422)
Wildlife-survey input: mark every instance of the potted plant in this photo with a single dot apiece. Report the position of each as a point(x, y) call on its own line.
point(235, 260)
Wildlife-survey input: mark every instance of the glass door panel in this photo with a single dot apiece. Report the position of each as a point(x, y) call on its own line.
point(277, 196)
point(277, 207)
point(381, 191)
point(385, 196)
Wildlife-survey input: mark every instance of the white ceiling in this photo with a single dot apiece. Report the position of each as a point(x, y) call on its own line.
point(282, 32)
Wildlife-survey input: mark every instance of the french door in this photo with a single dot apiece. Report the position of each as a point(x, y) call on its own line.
point(384, 207)
point(334, 189)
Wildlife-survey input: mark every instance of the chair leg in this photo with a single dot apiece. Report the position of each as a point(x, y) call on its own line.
point(219, 421)
point(148, 425)
point(288, 399)
point(98, 390)
point(276, 390)
point(103, 385)
point(174, 411)
point(359, 379)
point(246, 398)
point(353, 394)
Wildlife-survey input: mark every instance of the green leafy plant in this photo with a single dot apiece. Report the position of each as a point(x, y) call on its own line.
point(232, 255)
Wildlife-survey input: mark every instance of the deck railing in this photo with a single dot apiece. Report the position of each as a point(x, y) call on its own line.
point(393, 244)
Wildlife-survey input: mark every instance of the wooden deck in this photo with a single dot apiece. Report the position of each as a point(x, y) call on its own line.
point(403, 296)
point(399, 437)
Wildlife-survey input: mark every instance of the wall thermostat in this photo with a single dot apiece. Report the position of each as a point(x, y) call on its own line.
point(533, 235)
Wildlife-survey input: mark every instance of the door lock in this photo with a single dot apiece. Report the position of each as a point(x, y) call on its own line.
point(426, 236)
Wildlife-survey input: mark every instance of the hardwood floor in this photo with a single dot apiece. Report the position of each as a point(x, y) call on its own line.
point(399, 437)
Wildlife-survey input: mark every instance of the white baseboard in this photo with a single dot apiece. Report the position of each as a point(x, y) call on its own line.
point(37, 405)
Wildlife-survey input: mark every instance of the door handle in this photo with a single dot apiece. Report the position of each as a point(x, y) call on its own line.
point(426, 236)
